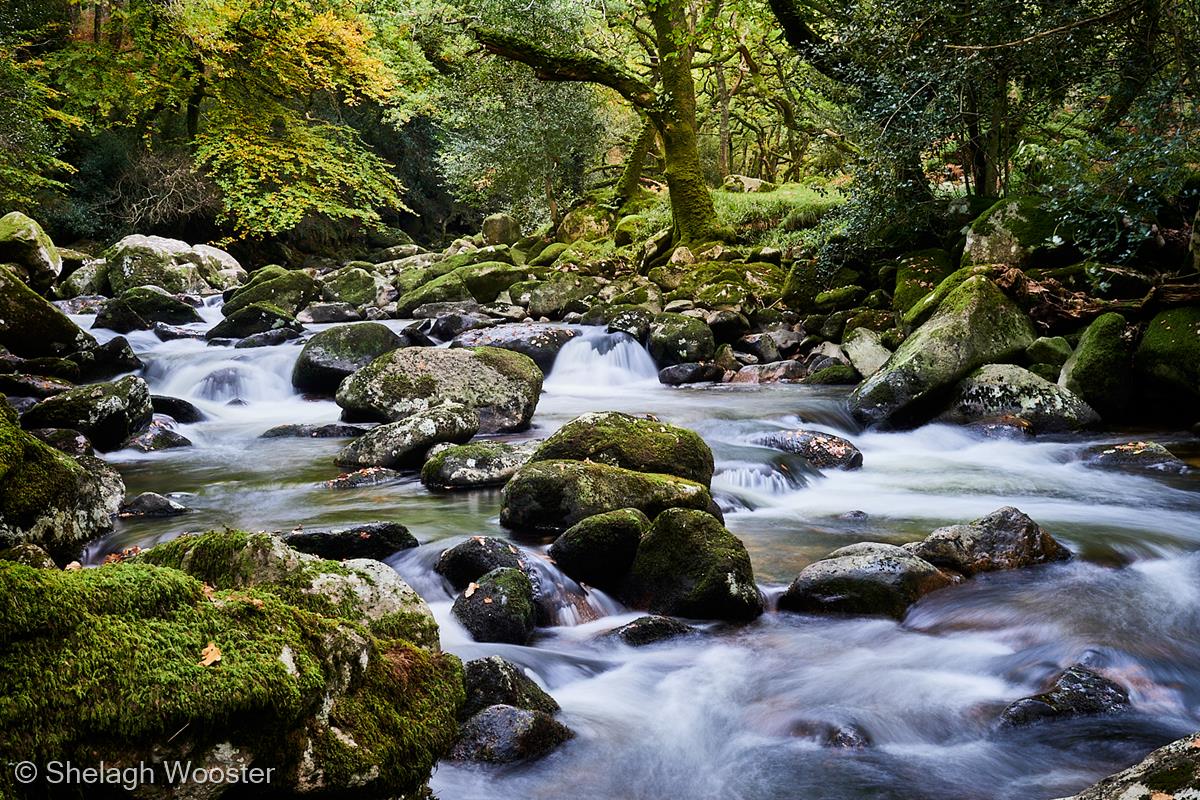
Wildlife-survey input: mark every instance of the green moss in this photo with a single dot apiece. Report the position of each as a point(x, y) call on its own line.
point(34, 477)
point(30, 326)
point(841, 297)
point(918, 274)
point(353, 285)
point(550, 253)
point(923, 309)
point(290, 292)
point(512, 365)
point(680, 339)
point(1169, 355)
point(1173, 778)
point(837, 374)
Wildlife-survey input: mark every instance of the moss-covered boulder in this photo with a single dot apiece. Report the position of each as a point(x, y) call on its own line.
point(107, 413)
point(142, 306)
point(369, 540)
point(689, 565)
point(31, 326)
point(923, 309)
point(1048, 350)
point(1006, 390)
point(353, 285)
point(600, 550)
point(1137, 456)
point(89, 279)
point(155, 261)
point(1168, 360)
point(468, 561)
point(333, 354)
point(1018, 232)
point(404, 443)
point(24, 244)
point(290, 291)
point(554, 495)
point(679, 339)
point(1172, 772)
point(587, 221)
point(253, 319)
point(562, 293)
point(500, 385)
point(918, 274)
point(975, 325)
point(1098, 371)
point(635, 443)
point(49, 499)
point(492, 680)
point(501, 229)
point(474, 465)
point(540, 341)
point(498, 608)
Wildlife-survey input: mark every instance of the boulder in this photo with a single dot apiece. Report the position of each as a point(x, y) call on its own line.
point(541, 342)
point(470, 560)
point(975, 325)
point(554, 495)
point(24, 244)
point(918, 274)
point(156, 305)
point(28, 554)
point(651, 630)
point(289, 290)
point(633, 320)
point(89, 280)
point(1016, 232)
point(864, 578)
point(447, 326)
point(493, 681)
point(403, 444)
point(155, 261)
point(502, 386)
point(689, 565)
point(600, 550)
point(158, 436)
point(760, 345)
point(377, 540)
point(1139, 456)
point(111, 358)
point(351, 285)
point(252, 319)
point(37, 386)
point(31, 326)
point(639, 444)
point(1077, 692)
point(501, 229)
point(821, 450)
point(1004, 539)
point(333, 430)
point(151, 504)
point(475, 465)
point(678, 339)
point(1168, 360)
point(332, 355)
point(219, 269)
point(561, 293)
point(684, 374)
point(777, 372)
point(332, 313)
point(502, 734)
point(107, 413)
point(865, 350)
point(271, 338)
point(1098, 371)
point(73, 443)
point(832, 375)
point(1006, 390)
point(177, 409)
point(1169, 773)
point(499, 608)
point(1054, 350)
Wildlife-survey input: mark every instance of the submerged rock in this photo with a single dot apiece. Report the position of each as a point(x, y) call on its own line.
point(158, 436)
point(600, 550)
point(651, 630)
point(333, 430)
point(475, 465)
point(401, 444)
point(369, 476)
point(1004, 539)
point(999, 390)
point(107, 413)
point(1077, 692)
point(682, 374)
point(821, 450)
point(499, 608)
point(493, 681)
point(503, 734)
point(376, 540)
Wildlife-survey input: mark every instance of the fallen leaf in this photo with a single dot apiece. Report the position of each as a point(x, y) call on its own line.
point(471, 589)
point(487, 600)
point(209, 655)
point(207, 590)
point(74, 566)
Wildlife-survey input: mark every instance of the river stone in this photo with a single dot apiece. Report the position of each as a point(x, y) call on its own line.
point(821, 450)
point(112, 358)
point(1168, 361)
point(689, 565)
point(30, 555)
point(975, 325)
point(36, 386)
point(678, 339)
point(865, 350)
point(1004, 539)
point(554, 495)
point(446, 327)
point(684, 374)
point(864, 578)
point(157, 305)
point(403, 444)
point(333, 430)
point(361, 478)
point(502, 734)
point(499, 608)
point(155, 261)
point(290, 291)
point(49, 499)
point(377, 540)
point(561, 293)
point(352, 286)
point(1016, 231)
point(31, 326)
point(158, 436)
point(475, 465)
point(778, 372)
point(271, 338)
point(760, 345)
point(493, 681)
point(1144, 456)
point(501, 229)
point(332, 355)
point(470, 560)
point(634, 443)
point(600, 550)
point(1098, 371)
point(541, 342)
point(332, 313)
point(24, 244)
point(151, 504)
point(177, 409)
point(1077, 692)
point(107, 413)
point(1169, 773)
point(252, 319)
point(502, 386)
point(999, 390)
point(651, 629)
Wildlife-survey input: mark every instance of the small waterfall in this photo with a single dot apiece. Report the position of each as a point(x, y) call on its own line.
point(599, 358)
point(741, 486)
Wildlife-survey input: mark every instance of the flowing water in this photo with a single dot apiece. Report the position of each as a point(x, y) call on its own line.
point(744, 712)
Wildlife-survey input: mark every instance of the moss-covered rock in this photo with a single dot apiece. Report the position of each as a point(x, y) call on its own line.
point(600, 550)
point(587, 221)
point(1172, 771)
point(923, 309)
point(634, 443)
point(1098, 371)
point(30, 326)
point(689, 565)
point(25, 244)
point(499, 608)
point(404, 443)
point(468, 561)
point(500, 385)
point(550, 253)
point(540, 341)
point(995, 391)
point(501, 229)
point(492, 680)
point(841, 297)
point(333, 354)
point(155, 261)
point(152, 304)
point(107, 413)
point(679, 339)
point(1015, 231)
point(252, 319)
point(918, 274)
point(475, 465)
point(1005, 539)
point(353, 285)
point(89, 279)
point(561, 293)
point(975, 325)
point(291, 292)
point(554, 495)
point(1077, 692)
point(1168, 359)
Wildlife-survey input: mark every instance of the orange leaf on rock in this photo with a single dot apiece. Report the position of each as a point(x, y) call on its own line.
point(209, 655)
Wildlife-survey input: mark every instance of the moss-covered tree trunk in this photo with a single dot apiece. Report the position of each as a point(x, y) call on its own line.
point(1195, 248)
point(635, 163)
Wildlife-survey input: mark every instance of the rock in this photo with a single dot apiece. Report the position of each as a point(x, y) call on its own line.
point(689, 565)
point(502, 734)
point(149, 504)
point(24, 244)
point(864, 578)
point(475, 465)
point(179, 410)
point(1171, 773)
point(360, 478)
point(865, 351)
point(682, 374)
point(1077, 692)
point(332, 355)
point(1016, 232)
point(470, 560)
point(554, 495)
point(287, 290)
point(252, 319)
point(324, 313)
point(561, 293)
point(600, 550)
point(651, 630)
point(493, 681)
point(1048, 350)
point(1147, 456)
point(153, 304)
point(107, 413)
point(639, 444)
point(159, 436)
point(678, 339)
point(90, 279)
point(36, 386)
point(448, 326)
point(155, 261)
point(917, 275)
point(271, 338)
point(501, 229)
point(633, 320)
point(402, 444)
point(1098, 371)
point(73, 443)
point(168, 333)
point(333, 430)
point(1168, 360)
point(840, 737)
point(999, 390)
point(31, 326)
point(1004, 539)
point(760, 345)
point(109, 359)
point(117, 315)
point(350, 286)
point(499, 608)
point(49, 499)
point(538, 341)
point(502, 386)
point(29, 555)
point(377, 540)
point(832, 375)
point(821, 450)
point(975, 325)
point(778, 372)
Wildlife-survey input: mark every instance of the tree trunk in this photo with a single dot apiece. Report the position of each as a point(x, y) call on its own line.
point(1195, 247)
point(723, 143)
point(635, 162)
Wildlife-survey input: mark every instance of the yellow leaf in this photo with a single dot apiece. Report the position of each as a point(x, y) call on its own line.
point(471, 589)
point(209, 655)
